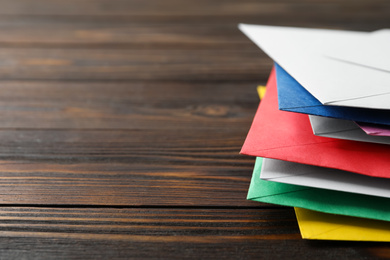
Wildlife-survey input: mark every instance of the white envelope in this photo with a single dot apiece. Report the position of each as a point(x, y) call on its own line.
point(343, 129)
point(324, 178)
point(373, 51)
point(305, 55)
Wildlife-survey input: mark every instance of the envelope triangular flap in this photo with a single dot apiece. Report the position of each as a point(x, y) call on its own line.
point(323, 178)
point(326, 125)
point(300, 52)
point(370, 51)
point(291, 95)
point(318, 225)
point(270, 190)
point(337, 202)
point(295, 98)
point(380, 100)
point(343, 129)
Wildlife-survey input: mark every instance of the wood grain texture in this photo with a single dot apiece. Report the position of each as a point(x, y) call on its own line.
point(64, 233)
point(121, 124)
point(94, 64)
point(218, 8)
point(143, 179)
point(136, 105)
point(125, 143)
point(187, 32)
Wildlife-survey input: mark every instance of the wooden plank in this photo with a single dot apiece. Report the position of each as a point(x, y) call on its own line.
point(33, 32)
point(123, 168)
point(173, 24)
point(131, 144)
point(63, 233)
point(155, 32)
point(188, 8)
point(136, 105)
point(211, 56)
point(95, 64)
point(125, 143)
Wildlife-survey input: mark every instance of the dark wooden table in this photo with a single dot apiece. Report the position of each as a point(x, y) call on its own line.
point(121, 124)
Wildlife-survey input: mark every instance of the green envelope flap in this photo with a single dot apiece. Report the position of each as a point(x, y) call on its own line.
point(328, 201)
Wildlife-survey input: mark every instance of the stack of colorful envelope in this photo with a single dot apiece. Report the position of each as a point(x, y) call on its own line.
point(321, 132)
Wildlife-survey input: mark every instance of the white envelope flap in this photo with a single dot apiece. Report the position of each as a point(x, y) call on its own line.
point(301, 53)
point(343, 129)
point(324, 178)
point(371, 51)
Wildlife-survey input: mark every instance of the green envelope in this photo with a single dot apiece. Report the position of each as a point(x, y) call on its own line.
point(328, 201)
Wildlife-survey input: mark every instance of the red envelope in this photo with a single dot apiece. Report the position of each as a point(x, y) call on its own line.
point(288, 136)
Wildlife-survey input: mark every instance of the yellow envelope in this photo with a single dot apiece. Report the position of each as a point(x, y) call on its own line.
point(318, 225)
point(261, 91)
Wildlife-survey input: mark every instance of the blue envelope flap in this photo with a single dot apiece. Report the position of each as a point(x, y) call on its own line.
point(295, 98)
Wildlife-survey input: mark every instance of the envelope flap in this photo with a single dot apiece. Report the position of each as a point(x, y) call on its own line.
point(323, 178)
point(369, 51)
point(380, 99)
point(300, 52)
point(290, 93)
point(295, 98)
point(326, 125)
point(318, 225)
point(343, 129)
point(277, 169)
point(328, 201)
point(268, 108)
point(270, 190)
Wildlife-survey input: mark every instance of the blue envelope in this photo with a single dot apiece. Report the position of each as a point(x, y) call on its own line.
point(295, 98)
